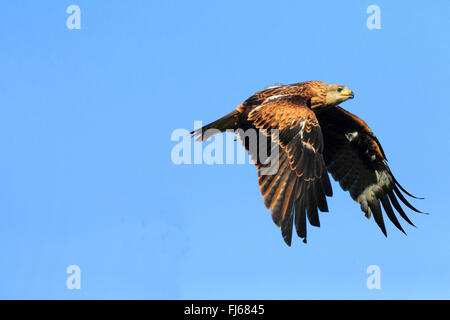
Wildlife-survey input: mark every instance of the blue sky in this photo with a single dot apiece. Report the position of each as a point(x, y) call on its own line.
point(86, 169)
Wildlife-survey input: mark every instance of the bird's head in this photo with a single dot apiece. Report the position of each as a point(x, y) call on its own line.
point(336, 93)
point(327, 95)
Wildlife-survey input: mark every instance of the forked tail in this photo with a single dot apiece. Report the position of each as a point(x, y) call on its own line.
point(230, 121)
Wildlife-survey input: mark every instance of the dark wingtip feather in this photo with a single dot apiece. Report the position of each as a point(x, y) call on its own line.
point(390, 212)
point(326, 184)
point(286, 229)
point(285, 208)
point(287, 240)
point(378, 216)
point(406, 202)
point(319, 194)
point(403, 189)
point(397, 206)
point(311, 206)
point(300, 219)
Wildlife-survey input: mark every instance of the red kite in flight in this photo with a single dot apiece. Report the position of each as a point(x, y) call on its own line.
point(314, 135)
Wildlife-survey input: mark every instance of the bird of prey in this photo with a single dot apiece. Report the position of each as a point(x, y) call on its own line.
point(313, 136)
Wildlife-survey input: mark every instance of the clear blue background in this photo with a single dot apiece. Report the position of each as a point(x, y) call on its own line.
point(86, 172)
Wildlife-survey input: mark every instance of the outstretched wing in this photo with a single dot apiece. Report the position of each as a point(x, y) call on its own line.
point(292, 140)
point(354, 157)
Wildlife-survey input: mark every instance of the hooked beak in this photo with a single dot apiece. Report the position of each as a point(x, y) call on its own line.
point(348, 93)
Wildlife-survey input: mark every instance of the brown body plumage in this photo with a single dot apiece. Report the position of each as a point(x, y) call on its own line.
point(313, 135)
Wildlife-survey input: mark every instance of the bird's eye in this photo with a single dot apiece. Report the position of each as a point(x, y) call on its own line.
point(339, 89)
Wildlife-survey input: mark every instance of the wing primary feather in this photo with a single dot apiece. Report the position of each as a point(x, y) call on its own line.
point(403, 189)
point(269, 184)
point(402, 198)
point(320, 196)
point(398, 207)
point(326, 183)
point(277, 203)
point(300, 218)
point(377, 214)
point(286, 231)
point(390, 212)
point(311, 207)
point(286, 226)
